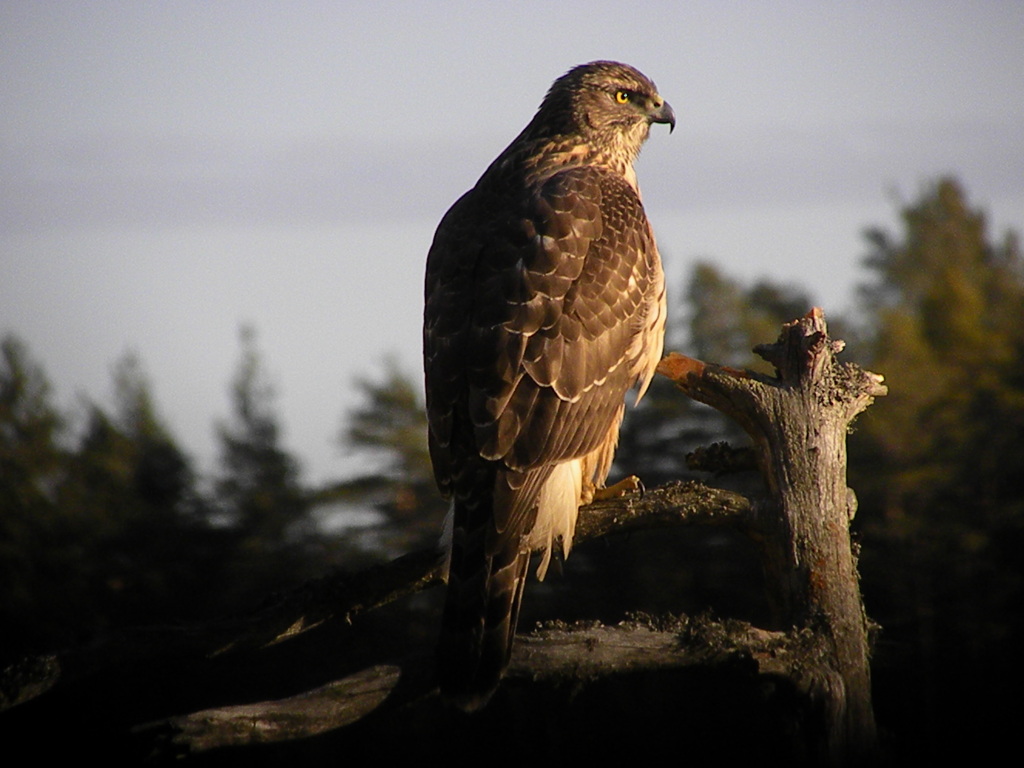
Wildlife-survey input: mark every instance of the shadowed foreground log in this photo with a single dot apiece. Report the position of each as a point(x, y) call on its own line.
point(310, 677)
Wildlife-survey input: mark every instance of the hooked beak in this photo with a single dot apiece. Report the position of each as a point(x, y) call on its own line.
point(661, 112)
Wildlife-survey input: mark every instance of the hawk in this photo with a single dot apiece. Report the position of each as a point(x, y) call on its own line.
point(545, 303)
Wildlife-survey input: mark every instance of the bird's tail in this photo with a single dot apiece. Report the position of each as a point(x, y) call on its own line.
point(486, 576)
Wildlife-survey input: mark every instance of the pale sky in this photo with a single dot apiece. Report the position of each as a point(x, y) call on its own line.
point(170, 171)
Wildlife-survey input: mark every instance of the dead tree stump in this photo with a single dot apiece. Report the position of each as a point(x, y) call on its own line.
point(798, 421)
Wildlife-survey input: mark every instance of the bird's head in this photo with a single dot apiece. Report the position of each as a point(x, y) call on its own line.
point(607, 103)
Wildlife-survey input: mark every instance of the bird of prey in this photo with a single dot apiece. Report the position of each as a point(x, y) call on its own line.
point(545, 303)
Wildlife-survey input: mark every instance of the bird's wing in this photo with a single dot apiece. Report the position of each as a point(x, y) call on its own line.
point(535, 324)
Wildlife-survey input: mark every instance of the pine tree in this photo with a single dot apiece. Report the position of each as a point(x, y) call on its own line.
point(948, 330)
point(103, 532)
point(937, 464)
point(259, 495)
point(259, 488)
point(30, 466)
point(388, 430)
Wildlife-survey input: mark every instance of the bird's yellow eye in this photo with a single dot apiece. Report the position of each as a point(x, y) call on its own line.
point(622, 97)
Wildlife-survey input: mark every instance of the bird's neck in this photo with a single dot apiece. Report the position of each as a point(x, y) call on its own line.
point(544, 156)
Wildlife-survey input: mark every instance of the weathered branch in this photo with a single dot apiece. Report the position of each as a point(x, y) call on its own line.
point(344, 596)
point(335, 705)
point(548, 657)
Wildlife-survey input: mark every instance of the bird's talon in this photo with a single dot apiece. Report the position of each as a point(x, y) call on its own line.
point(628, 485)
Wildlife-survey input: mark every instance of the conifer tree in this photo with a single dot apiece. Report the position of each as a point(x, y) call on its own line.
point(259, 494)
point(937, 468)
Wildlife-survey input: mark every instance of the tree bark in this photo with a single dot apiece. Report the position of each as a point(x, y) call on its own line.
point(798, 421)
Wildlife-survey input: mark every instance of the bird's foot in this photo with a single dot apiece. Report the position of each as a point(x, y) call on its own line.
point(628, 485)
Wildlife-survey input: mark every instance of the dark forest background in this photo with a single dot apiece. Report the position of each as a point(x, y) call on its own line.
point(109, 525)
